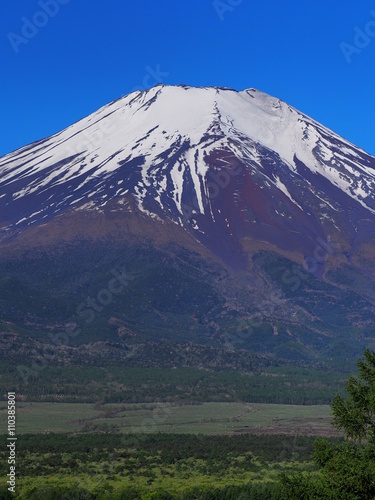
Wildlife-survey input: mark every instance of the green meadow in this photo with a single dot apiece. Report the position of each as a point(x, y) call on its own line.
point(204, 418)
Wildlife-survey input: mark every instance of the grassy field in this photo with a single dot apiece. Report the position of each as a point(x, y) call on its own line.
point(206, 418)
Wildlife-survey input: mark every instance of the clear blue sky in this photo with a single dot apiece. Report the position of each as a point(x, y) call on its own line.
point(92, 52)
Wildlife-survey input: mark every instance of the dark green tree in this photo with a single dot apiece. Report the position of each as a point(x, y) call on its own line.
point(346, 468)
point(356, 415)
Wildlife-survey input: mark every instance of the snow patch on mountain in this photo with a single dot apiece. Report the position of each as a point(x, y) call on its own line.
point(155, 144)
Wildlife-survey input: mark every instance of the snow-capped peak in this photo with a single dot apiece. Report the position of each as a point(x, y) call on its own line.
point(161, 146)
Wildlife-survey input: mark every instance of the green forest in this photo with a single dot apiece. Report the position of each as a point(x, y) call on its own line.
point(114, 465)
point(157, 465)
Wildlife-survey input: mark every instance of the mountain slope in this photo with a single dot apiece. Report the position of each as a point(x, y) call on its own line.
point(246, 228)
point(225, 165)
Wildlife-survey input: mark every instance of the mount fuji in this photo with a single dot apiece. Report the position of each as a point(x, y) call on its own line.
point(224, 165)
point(217, 200)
